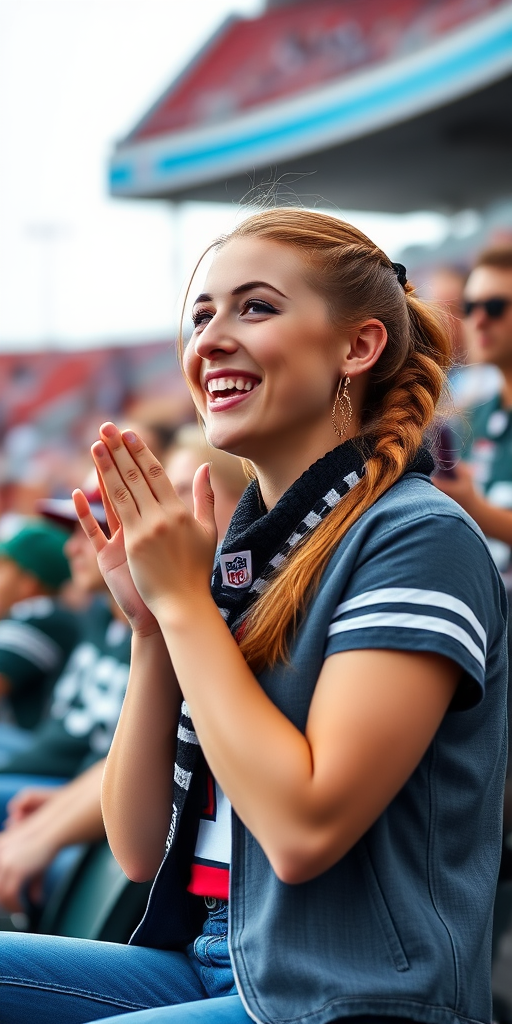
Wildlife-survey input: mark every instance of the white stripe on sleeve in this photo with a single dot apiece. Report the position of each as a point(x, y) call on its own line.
point(29, 643)
point(412, 595)
point(401, 620)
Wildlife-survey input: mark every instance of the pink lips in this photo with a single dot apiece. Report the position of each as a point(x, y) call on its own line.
point(233, 382)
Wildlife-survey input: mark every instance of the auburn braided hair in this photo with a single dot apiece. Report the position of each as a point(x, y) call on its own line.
point(358, 282)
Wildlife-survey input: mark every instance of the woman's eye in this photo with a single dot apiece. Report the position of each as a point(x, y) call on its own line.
point(258, 306)
point(200, 317)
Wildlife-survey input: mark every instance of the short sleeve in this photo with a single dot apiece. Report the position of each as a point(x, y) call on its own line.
point(426, 585)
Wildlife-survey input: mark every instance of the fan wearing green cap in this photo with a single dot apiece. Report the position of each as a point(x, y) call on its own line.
point(37, 632)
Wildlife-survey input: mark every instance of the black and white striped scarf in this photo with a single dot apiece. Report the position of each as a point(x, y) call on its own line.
point(257, 542)
point(255, 546)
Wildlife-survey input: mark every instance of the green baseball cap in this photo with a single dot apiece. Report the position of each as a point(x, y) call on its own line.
point(38, 548)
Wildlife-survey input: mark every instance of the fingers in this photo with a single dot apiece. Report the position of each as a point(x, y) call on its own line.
point(132, 476)
point(112, 520)
point(27, 800)
point(22, 811)
point(90, 526)
point(204, 501)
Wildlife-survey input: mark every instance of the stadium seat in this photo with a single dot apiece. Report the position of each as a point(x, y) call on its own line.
point(95, 900)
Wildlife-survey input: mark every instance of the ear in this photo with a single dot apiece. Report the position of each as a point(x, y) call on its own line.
point(367, 343)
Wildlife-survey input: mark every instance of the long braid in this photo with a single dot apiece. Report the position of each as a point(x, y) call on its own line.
point(407, 409)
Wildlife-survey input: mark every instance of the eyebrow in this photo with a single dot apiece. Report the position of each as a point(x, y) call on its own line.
point(205, 297)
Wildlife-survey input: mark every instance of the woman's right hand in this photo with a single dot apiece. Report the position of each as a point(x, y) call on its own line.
point(113, 564)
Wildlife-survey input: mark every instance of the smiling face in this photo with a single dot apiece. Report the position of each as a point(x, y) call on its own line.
point(264, 360)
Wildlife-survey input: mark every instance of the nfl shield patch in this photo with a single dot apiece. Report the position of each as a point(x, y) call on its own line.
point(236, 569)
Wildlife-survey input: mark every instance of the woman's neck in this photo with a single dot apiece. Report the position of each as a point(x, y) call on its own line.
point(277, 475)
point(278, 468)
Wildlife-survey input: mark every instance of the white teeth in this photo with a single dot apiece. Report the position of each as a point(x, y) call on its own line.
point(229, 383)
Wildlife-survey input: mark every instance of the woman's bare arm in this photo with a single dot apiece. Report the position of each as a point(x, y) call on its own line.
point(138, 779)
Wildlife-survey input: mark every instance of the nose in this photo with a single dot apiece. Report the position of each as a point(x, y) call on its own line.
point(478, 317)
point(215, 338)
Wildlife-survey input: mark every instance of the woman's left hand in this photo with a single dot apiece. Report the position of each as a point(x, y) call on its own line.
point(170, 552)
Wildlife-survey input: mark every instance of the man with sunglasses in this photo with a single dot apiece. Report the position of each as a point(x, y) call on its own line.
point(482, 481)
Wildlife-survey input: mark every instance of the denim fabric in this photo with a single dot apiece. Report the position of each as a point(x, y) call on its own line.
point(209, 953)
point(48, 978)
point(221, 1011)
point(227, 1010)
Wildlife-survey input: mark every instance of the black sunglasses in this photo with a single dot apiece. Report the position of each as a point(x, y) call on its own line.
point(494, 308)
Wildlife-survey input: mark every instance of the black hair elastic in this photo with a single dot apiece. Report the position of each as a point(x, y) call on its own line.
point(401, 273)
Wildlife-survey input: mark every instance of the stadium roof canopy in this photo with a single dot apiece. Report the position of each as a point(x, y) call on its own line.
point(381, 105)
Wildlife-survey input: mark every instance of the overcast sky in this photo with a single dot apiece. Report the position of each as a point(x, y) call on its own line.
point(76, 267)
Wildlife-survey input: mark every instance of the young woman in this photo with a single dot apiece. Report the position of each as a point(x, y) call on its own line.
point(343, 670)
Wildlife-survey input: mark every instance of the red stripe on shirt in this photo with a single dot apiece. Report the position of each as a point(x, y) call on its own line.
point(209, 881)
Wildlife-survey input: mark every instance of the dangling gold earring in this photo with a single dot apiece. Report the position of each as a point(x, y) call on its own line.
point(345, 407)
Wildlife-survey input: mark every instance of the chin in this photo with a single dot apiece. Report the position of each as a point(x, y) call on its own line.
point(225, 441)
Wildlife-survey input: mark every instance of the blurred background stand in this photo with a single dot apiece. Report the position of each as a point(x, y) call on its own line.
point(396, 106)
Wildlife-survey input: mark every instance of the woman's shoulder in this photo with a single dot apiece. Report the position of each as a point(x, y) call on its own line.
point(414, 499)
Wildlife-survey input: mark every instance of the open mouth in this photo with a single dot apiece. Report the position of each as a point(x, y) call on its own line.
point(221, 389)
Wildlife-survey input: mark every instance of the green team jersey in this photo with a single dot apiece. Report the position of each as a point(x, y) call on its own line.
point(86, 701)
point(36, 640)
point(487, 447)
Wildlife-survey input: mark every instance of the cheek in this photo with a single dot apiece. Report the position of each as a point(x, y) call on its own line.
point(506, 331)
point(188, 361)
point(192, 369)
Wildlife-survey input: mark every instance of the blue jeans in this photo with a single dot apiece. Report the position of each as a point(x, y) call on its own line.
point(49, 978)
point(225, 1010)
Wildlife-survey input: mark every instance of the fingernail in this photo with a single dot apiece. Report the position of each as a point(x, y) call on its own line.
point(108, 429)
point(210, 473)
point(99, 449)
point(129, 436)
